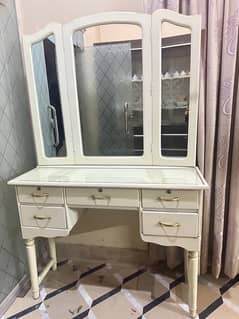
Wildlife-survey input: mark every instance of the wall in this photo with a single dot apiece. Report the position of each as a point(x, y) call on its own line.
point(103, 228)
point(35, 14)
point(16, 147)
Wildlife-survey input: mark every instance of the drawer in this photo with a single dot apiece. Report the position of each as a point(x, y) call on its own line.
point(46, 217)
point(169, 199)
point(106, 197)
point(170, 224)
point(40, 195)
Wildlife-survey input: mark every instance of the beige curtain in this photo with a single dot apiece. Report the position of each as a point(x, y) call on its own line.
point(218, 138)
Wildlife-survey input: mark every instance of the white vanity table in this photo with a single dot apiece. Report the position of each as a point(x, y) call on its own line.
point(113, 132)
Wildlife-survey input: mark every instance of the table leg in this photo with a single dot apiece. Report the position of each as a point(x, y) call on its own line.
point(185, 266)
point(32, 263)
point(52, 252)
point(192, 282)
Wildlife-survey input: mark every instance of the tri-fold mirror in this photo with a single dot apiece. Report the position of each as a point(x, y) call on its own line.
point(111, 89)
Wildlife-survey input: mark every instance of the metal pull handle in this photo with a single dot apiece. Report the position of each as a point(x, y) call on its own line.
point(54, 124)
point(101, 197)
point(167, 224)
point(41, 217)
point(168, 199)
point(126, 106)
point(39, 194)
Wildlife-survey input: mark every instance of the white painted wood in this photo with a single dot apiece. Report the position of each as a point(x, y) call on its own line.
point(45, 270)
point(43, 217)
point(192, 282)
point(32, 263)
point(170, 199)
point(185, 266)
point(170, 224)
point(144, 21)
point(102, 197)
point(33, 232)
point(194, 24)
point(186, 178)
point(42, 196)
point(28, 40)
point(52, 252)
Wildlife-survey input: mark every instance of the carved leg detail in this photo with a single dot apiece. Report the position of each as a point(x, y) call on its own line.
point(52, 251)
point(192, 282)
point(32, 263)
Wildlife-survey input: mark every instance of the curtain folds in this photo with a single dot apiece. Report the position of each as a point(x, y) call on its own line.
point(218, 128)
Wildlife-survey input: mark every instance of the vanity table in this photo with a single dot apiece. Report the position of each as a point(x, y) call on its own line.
point(114, 102)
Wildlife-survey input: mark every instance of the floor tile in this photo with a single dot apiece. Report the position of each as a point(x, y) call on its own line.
point(116, 307)
point(167, 309)
point(233, 295)
point(145, 288)
point(21, 304)
point(65, 305)
point(223, 312)
point(206, 295)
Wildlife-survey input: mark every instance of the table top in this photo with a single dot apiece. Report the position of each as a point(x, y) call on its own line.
point(113, 177)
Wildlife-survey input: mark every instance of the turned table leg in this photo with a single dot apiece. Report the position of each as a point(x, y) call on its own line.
point(52, 252)
point(192, 282)
point(32, 263)
point(185, 266)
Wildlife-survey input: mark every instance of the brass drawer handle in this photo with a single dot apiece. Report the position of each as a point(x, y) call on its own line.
point(101, 197)
point(165, 224)
point(41, 217)
point(39, 194)
point(168, 199)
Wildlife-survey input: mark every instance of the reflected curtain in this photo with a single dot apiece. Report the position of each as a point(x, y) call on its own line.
point(218, 129)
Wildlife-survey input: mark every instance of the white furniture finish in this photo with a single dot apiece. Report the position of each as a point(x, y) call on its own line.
point(44, 214)
point(161, 182)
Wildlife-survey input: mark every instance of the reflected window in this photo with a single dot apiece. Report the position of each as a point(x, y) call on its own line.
point(108, 63)
point(175, 77)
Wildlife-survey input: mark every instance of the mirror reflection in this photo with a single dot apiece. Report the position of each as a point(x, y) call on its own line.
point(48, 94)
point(175, 77)
point(108, 63)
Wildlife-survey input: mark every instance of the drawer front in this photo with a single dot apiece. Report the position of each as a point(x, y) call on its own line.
point(170, 224)
point(46, 217)
point(106, 197)
point(40, 195)
point(165, 199)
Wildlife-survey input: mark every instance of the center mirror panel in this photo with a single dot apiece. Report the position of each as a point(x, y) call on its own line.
point(109, 74)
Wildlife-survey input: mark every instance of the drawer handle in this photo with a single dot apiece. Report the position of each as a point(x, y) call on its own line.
point(168, 199)
point(41, 217)
point(39, 194)
point(101, 197)
point(165, 224)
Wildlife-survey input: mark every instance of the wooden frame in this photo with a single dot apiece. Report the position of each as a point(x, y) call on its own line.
point(194, 23)
point(56, 30)
point(144, 21)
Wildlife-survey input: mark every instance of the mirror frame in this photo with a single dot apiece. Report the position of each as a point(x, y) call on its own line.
point(54, 29)
point(143, 21)
point(194, 24)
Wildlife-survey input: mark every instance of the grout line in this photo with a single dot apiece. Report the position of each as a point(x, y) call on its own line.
point(229, 284)
point(211, 308)
point(231, 305)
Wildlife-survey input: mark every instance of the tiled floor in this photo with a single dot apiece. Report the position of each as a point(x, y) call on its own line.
point(104, 291)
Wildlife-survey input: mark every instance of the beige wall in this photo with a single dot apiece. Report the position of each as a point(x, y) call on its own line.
point(100, 228)
point(35, 14)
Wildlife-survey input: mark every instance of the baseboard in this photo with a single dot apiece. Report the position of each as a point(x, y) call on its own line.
point(19, 290)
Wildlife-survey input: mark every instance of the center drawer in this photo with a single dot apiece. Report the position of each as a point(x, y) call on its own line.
point(46, 217)
point(170, 224)
point(40, 195)
point(103, 197)
point(170, 199)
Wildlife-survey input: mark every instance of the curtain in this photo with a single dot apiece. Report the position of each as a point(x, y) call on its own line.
point(218, 128)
